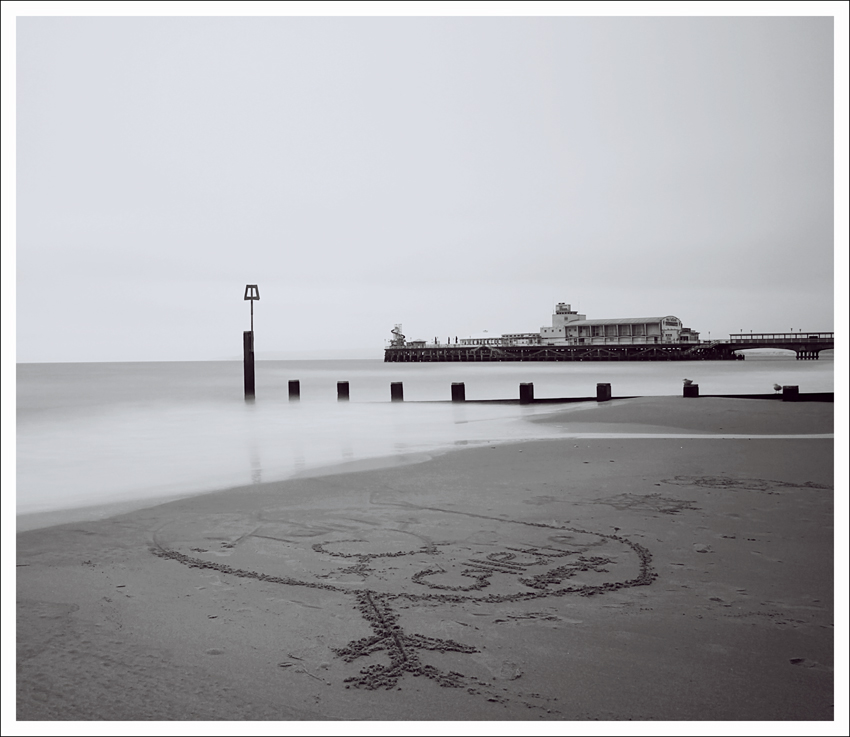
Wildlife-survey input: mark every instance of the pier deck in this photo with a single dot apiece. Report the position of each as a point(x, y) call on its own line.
point(807, 346)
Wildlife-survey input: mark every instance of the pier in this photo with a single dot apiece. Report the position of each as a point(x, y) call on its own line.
point(807, 346)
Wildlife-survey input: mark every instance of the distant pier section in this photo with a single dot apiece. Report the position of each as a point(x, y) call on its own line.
point(807, 346)
point(572, 337)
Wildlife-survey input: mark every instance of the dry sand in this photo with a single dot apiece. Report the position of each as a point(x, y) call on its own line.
point(678, 578)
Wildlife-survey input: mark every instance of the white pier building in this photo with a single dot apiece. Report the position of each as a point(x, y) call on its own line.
point(571, 328)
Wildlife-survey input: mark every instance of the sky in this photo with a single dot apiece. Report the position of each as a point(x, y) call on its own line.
point(452, 174)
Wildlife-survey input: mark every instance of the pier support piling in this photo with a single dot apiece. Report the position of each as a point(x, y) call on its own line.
point(458, 391)
point(294, 390)
point(342, 391)
point(397, 391)
point(248, 362)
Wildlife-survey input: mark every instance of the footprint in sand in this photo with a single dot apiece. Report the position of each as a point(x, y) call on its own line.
point(806, 663)
point(765, 557)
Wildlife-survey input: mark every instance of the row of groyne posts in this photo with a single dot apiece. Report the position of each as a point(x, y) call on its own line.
point(526, 392)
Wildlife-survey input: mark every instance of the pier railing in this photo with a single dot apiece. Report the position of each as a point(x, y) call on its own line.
point(586, 352)
point(756, 338)
point(800, 337)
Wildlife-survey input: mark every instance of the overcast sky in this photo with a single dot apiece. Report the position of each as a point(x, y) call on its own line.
point(451, 174)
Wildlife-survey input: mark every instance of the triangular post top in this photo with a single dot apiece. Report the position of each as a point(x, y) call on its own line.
point(252, 291)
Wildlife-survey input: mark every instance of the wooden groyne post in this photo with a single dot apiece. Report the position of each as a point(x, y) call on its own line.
point(458, 391)
point(252, 293)
point(396, 391)
point(526, 393)
point(248, 362)
point(790, 393)
point(342, 391)
point(603, 392)
point(294, 390)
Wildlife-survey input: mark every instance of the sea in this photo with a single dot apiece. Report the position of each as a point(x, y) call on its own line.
point(94, 435)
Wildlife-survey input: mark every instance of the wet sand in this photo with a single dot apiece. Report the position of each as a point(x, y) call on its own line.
point(682, 575)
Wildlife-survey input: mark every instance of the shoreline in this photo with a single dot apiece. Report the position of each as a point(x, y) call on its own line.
point(29, 521)
point(530, 580)
point(618, 410)
point(97, 512)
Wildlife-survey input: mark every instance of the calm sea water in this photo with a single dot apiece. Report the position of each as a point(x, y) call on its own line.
point(104, 433)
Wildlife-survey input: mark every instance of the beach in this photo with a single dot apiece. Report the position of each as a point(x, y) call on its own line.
point(663, 559)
